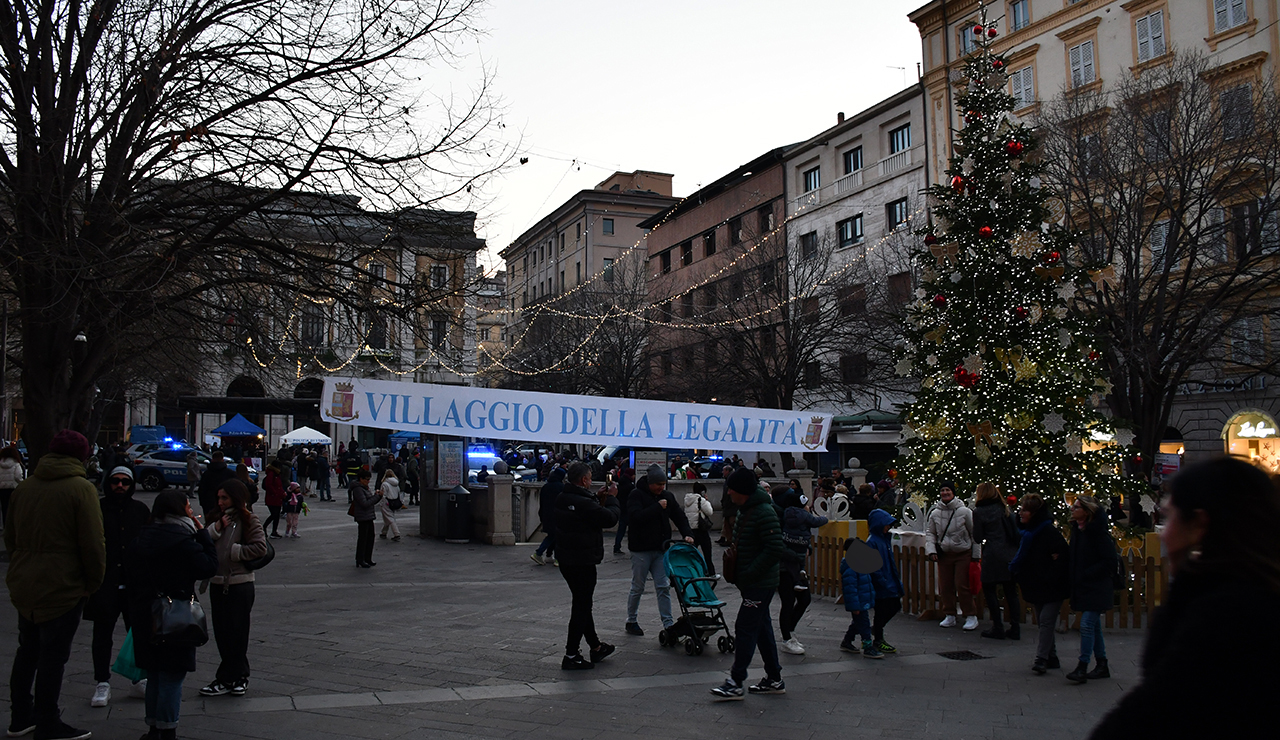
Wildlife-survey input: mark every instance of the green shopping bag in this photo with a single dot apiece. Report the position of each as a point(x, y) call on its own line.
point(124, 664)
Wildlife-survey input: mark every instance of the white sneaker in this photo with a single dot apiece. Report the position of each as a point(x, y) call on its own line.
point(950, 621)
point(101, 695)
point(138, 690)
point(791, 647)
point(970, 624)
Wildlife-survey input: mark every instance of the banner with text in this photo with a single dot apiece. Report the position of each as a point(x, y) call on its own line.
point(463, 411)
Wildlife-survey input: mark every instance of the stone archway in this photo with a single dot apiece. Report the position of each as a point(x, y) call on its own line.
point(1252, 434)
point(310, 388)
point(246, 387)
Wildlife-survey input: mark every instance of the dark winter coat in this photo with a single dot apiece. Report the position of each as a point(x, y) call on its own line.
point(1093, 562)
point(797, 523)
point(123, 517)
point(1190, 691)
point(648, 524)
point(1042, 570)
point(165, 559)
point(860, 506)
point(210, 481)
point(758, 535)
point(997, 533)
point(547, 500)
point(365, 503)
point(580, 521)
point(887, 581)
point(273, 488)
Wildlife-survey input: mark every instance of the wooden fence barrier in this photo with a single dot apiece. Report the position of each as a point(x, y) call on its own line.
point(1147, 582)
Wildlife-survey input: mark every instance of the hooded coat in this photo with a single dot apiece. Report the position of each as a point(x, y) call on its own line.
point(758, 535)
point(123, 517)
point(165, 559)
point(10, 473)
point(950, 529)
point(1093, 562)
point(997, 535)
point(887, 581)
point(648, 524)
point(57, 550)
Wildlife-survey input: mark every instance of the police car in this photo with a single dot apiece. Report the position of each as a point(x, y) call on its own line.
point(164, 467)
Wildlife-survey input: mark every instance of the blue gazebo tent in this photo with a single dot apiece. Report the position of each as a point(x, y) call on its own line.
point(238, 426)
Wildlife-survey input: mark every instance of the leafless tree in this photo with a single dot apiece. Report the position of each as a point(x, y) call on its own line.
point(208, 159)
point(1172, 180)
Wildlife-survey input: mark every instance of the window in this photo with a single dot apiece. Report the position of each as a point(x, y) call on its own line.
point(812, 376)
point(608, 270)
point(577, 229)
point(808, 245)
point(439, 332)
point(964, 36)
point(1248, 342)
point(853, 368)
point(562, 281)
point(735, 230)
point(854, 302)
point(525, 265)
point(312, 324)
point(378, 270)
point(686, 305)
point(900, 139)
point(852, 160)
point(561, 244)
point(1159, 240)
point(1217, 247)
point(1156, 132)
point(665, 261)
point(377, 338)
point(577, 268)
point(486, 334)
point(686, 253)
point(1228, 14)
point(1095, 247)
point(768, 271)
point(895, 214)
point(439, 276)
point(1019, 14)
point(765, 216)
point(1150, 30)
point(1253, 227)
point(664, 361)
point(536, 256)
point(709, 244)
point(812, 179)
point(1022, 86)
point(809, 309)
point(849, 231)
point(688, 357)
point(900, 288)
point(1081, 58)
point(709, 295)
point(1236, 108)
point(1089, 155)
point(607, 226)
point(768, 341)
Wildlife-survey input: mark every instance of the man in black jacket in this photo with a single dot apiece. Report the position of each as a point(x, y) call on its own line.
point(580, 520)
point(122, 518)
point(210, 481)
point(651, 510)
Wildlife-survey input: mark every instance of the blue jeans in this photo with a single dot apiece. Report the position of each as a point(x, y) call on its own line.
point(753, 628)
point(322, 488)
point(164, 698)
point(548, 544)
point(643, 565)
point(1091, 643)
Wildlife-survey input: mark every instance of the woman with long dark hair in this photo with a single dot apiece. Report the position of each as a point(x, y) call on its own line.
point(1093, 563)
point(239, 536)
point(1213, 642)
point(995, 531)
point(170, 554)
point(1041, 569)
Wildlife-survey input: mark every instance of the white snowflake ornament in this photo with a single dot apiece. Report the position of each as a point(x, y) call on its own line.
point(1054, 422)
point(904, 367)
point(973, 364)
point(932, 360)
point(1124, 437)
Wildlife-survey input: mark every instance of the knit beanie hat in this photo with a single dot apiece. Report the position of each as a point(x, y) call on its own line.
point(71, 443)
point(655, 474)
point(742, 481)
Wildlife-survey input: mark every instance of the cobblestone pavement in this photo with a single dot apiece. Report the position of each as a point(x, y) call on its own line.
point(464, 641)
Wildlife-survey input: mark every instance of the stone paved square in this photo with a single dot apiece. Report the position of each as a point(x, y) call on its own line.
point(464, 641)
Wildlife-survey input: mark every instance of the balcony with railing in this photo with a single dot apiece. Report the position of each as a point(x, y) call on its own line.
point(848, 183)
point(894, 162)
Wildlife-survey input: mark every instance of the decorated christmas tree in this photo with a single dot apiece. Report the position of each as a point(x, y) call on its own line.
point(1009, 376)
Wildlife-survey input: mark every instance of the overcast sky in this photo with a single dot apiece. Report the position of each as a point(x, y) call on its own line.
point(693, 88)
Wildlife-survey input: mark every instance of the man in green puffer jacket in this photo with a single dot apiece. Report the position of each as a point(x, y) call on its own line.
point(758, 535)
point(58, 556)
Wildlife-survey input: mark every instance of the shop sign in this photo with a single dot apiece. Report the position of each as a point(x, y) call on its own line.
point(1249, 430)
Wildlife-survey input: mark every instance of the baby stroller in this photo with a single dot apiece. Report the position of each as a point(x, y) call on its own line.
point(700, 608)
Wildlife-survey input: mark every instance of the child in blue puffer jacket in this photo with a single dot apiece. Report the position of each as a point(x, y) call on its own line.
point(859, 597)
point(886, 581)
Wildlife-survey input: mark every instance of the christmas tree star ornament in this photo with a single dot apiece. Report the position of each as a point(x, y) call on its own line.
point(904, 367)
point(1124, 437)
point(1054, 422)
point(973, 364)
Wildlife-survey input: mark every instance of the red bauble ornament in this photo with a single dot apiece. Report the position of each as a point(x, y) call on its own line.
point(1014, 148)
point(991, 33)
point(965, 378)
point(997, 65)
point(1021, 312)
point(930, 240)
point(1093, 355)
point(1052, 258)
point(977, 30)
point(957, 184)
point(972, 116)
point(985, 232)
point(940, 301)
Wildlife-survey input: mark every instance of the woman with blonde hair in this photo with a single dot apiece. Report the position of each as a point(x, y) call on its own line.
point(996, 533)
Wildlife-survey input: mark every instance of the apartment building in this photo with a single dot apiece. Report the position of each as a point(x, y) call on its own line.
point(491, 324)
point(1054, 46)
point(853, 192)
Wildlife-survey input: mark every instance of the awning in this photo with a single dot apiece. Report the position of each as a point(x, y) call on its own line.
point(238, 426)
point(306, 436)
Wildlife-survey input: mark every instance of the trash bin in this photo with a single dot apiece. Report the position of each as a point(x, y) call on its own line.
point(457, 526)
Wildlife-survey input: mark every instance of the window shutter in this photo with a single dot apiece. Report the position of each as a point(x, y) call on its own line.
point(1159, 235)
point(1217, 237)
point(1086, 58)
point(1220, 14)
point(1076, 75)
point(1238, 14)
point(1155, 26)
point(1144, 38)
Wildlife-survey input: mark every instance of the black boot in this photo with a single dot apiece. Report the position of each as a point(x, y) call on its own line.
point(1014, 632)
point(153, 733)
point(1080, 674)
point(169, 734)
point(1039, 667)
point(996, 632)
point(1101, 671)
point(1052, 662)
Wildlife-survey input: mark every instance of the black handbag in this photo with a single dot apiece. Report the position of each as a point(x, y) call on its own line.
point(261, 562)
point(178, 622)
point(395, 504)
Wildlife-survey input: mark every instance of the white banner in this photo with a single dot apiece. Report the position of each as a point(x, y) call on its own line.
point(463, 411)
